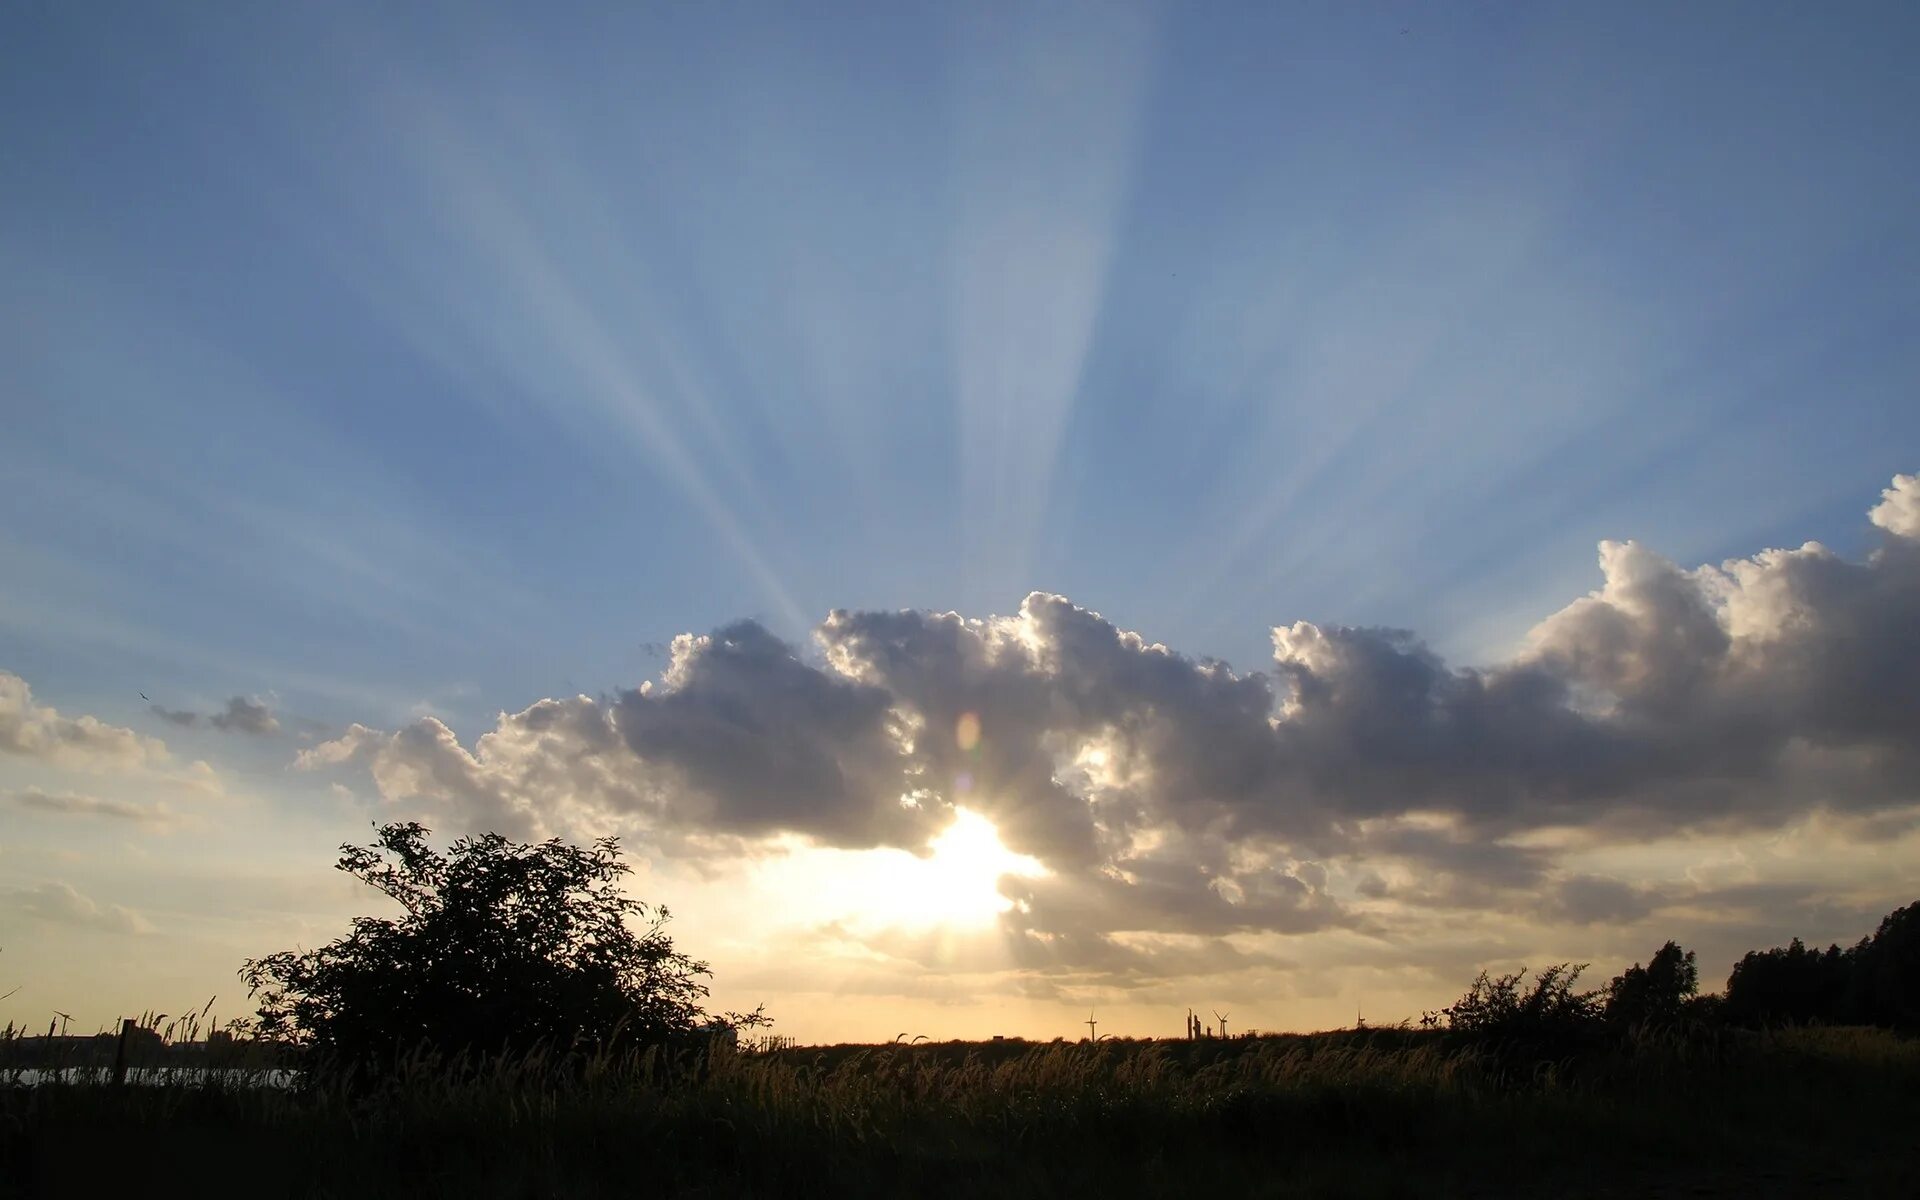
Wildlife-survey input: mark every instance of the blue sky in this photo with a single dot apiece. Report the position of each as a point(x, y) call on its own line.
point(450, 355)
point(392, 362)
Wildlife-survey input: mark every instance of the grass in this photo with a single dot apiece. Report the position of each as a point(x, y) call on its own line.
point(1815, 1112)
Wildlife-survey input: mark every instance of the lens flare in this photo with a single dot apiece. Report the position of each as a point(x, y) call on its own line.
point(967, 731)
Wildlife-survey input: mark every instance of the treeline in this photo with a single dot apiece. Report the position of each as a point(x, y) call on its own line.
point(1876, 981)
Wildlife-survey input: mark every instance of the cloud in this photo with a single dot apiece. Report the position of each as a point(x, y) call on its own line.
point(76, 804)
point(60, 903)
point(746, 739)
point(1899, 509)
point(1173, 797)
point(37, 731)
point(245, 714)
point(242, 714)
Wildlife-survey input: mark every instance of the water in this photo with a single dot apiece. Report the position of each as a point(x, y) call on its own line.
point(155, 1076)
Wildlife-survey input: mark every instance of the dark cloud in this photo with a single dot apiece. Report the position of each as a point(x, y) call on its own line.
point(1593, 899)
point(756, 742)
point(242, 714)
point(245, 715)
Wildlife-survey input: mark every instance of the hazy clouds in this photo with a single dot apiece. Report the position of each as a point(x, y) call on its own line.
point(81, 805)
point(37, 731)
point(62, 904)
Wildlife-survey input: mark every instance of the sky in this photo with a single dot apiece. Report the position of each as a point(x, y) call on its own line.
point(1005, 510)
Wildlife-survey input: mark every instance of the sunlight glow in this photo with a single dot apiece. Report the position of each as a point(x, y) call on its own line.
point(958, 885)
point(955, 887)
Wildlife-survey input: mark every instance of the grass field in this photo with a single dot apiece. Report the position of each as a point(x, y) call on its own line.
point(1808, 1112)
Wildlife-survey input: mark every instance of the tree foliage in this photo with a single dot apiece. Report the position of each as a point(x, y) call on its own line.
point(1657, 992)
point(1886, 985)
point(1504, 1008)
point(1793, 983)
point(1876, 981)
point(498, 946)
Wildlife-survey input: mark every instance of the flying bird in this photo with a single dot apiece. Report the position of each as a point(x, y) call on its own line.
point(143, 696)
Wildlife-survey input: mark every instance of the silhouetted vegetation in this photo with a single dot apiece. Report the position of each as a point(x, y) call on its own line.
point(499, 947)
point(1388, 1112)
point(1656, 993)
point(1548, 1018)
point(1874, 982)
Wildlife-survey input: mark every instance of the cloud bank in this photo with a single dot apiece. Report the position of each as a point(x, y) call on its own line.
point(1172, 797)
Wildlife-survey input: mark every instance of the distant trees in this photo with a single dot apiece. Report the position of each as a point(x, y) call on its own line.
point(1792, 983)
point(1886, 984)
point(499, 946)
point(1876, 981)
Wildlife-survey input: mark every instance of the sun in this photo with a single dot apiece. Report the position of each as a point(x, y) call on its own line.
point(955, 886)
point(959, 883)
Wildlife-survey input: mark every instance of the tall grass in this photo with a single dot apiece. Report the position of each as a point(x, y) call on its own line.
point(1381, 1113)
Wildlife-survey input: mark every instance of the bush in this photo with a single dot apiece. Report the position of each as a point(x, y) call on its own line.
point(1546, 1016)
point(500, 946)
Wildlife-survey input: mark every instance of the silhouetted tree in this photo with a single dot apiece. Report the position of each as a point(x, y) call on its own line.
point(1658, 991)
point(1885, 988)
point(1792, 983)
point(499, 946)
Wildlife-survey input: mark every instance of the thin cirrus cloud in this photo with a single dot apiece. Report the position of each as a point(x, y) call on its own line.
point(1172, 796)
point(79, 804)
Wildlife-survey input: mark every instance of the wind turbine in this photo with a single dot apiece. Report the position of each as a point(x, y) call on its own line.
point(1092, 1027)
point(1222, 1017)
point(64, 1018)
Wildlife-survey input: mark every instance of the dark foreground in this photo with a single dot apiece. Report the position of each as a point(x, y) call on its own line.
point(1383, 1113)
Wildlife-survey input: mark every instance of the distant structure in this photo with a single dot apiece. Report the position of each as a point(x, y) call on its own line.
point(1222, 1018)
point(1093, 1027)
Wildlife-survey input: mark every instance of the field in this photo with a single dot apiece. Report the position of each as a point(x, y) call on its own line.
point(1804, 1112)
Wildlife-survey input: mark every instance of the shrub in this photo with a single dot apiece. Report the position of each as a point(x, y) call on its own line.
point(1546, 1015)
point(499, 946)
